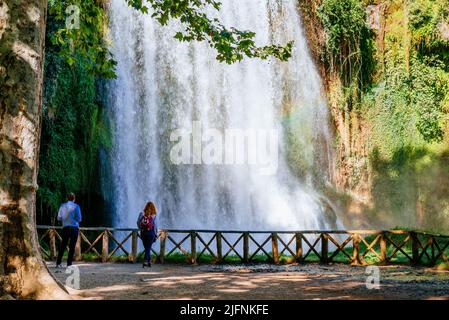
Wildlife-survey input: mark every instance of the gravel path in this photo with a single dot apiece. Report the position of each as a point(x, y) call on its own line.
point(311, 281)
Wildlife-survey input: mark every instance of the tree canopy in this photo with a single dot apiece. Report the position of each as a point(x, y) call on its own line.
point(231, 44)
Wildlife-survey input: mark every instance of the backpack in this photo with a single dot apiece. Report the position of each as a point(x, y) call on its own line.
point(146, 223)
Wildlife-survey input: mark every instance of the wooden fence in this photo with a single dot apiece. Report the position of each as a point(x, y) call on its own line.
point(358, 247)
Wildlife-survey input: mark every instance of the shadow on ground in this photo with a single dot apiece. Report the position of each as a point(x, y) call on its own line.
point(311, 281)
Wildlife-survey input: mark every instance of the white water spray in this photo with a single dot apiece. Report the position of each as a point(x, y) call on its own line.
point(164, 85)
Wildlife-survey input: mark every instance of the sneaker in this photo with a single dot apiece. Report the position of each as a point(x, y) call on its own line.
point(149, 264)
point(59, 266)
point(144, 265)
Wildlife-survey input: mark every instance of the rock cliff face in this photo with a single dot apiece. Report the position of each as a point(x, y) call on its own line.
point(386, 175)
point(351, 176)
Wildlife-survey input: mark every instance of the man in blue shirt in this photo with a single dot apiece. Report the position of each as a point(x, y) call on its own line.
point(70, 216)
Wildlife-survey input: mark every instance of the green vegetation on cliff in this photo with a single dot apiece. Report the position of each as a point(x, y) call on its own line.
point(395, 134)
point(349, 42)
point(74, 131)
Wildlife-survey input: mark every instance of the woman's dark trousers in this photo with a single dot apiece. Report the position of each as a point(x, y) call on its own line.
point(148, 238)
point(69, 236)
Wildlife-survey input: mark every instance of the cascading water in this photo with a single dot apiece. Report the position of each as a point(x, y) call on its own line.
point(163, 85)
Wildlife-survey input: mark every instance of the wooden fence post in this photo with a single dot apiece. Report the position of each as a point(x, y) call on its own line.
point(432, 250)
point(52, 235)
point(356, 259)
point(162, 243)
point(219, 247)
point(245, 247)
point(415, 249)
point(383, 248)
point(298, 247)
point(105, 246)
point(274, 246)
point(324, 248)
point(78, 256)
point(134, 246)
point(193, 247)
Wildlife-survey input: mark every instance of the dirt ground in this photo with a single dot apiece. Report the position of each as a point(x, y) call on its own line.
point(310, 281)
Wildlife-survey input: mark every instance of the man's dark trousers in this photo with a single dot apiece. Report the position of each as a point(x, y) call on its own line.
point(69, 236)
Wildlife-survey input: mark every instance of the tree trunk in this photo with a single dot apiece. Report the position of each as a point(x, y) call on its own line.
point(23, 274)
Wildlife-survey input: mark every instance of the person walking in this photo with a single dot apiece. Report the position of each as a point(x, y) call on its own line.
point(147, 223)
point(70, 215)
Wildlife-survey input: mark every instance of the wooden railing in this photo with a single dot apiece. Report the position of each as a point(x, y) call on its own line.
point(358, 247)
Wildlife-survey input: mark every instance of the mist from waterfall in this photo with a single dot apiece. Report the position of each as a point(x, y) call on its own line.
point(163, 85)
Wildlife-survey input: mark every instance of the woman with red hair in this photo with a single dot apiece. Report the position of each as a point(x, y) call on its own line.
point(148, 230)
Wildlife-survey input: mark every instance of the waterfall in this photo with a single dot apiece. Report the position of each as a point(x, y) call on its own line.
point(164, 85)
